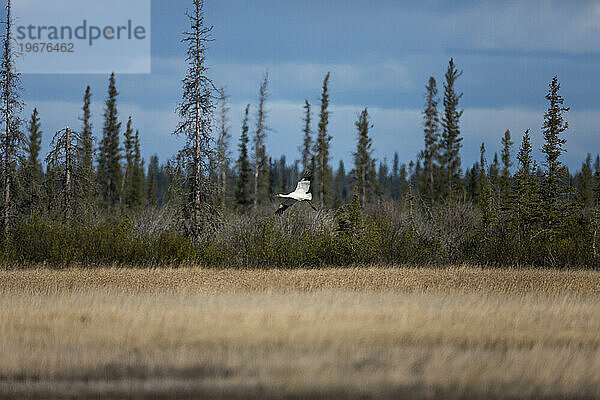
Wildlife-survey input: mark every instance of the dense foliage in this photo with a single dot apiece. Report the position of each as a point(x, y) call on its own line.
point(200, 207)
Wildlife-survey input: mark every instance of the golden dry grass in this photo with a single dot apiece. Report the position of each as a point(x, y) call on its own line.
point(356, 332)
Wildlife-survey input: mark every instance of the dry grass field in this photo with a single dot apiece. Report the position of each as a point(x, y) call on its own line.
point(329, 333)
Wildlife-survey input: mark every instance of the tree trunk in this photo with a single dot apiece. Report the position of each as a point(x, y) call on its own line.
point(596, 221)
point(198, 171)
point(431, 180)
point(68, 169)
point(7, 183)
point(223, 181)
point(7, 167)
point(256, 171)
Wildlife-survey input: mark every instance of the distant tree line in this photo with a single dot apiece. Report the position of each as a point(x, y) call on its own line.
point(522, 211)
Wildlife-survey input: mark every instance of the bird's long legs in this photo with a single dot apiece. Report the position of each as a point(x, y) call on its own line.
point(311, 204)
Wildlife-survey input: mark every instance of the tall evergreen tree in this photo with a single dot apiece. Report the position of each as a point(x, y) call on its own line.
point(32, 171)
point(321, 149)
point(12, 139)
point(395, 190)
point(506, 164)
point(306, 148)
point(86, 153)
point(486, 200)
point(383, 178)
point(261, 160)
point(243, 185)
point(587, 182)
point(553, 192)
point(128, 144)
point(138, 179)
point(151, 181)
point(109, 153)
point(341, 188)
point(472, 182)
point(133, 180)
point(196, 114)
point(451, 141)
point(364, 163)
point(403, 182)
point(430, 153)
point(523, 203)
point(494, 174)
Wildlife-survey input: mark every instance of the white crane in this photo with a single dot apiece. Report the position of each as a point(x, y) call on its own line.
point(300, 194)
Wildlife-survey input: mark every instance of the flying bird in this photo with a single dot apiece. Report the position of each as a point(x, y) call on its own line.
point(300, 194)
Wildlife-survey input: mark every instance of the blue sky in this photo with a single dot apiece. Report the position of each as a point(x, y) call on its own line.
point(380, 55)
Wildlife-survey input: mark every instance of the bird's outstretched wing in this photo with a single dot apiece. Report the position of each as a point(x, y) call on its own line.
point(287, 203)
point(304, 183)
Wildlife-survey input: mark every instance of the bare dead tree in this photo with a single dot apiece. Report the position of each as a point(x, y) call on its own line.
point(196, 113)
point(12, 139)
point(64, 148)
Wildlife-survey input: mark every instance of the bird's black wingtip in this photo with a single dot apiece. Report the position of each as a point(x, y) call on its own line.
point(280, 210)
point(307, 175)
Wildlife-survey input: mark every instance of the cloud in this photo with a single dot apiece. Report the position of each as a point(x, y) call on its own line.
point(530, 26)
point(293, 79)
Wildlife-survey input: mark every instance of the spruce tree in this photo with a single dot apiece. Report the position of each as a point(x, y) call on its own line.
point(364, 163)
point(472, 182)
point(261, 160)
point(341, 189)
point(486, 201)
point(403, 182)
point(86, 153)
point(553, 193)
point(243, 185)
point(430, 153)
point(138, 173)
point(196, 114)
point(383, 178)
point(12, 139)
point(32, 171)
point(395, 190)
point(494, 174)
point(321, 149)
point(307, 142)
point(151, 181)
point(506, 164)
point(109, 152)
point(451, 141)
point(587, 182)
point(128, 144)
point(524, 199)
point(133, 180)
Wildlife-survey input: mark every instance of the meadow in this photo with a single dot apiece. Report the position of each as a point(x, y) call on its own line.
point(360, 332)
